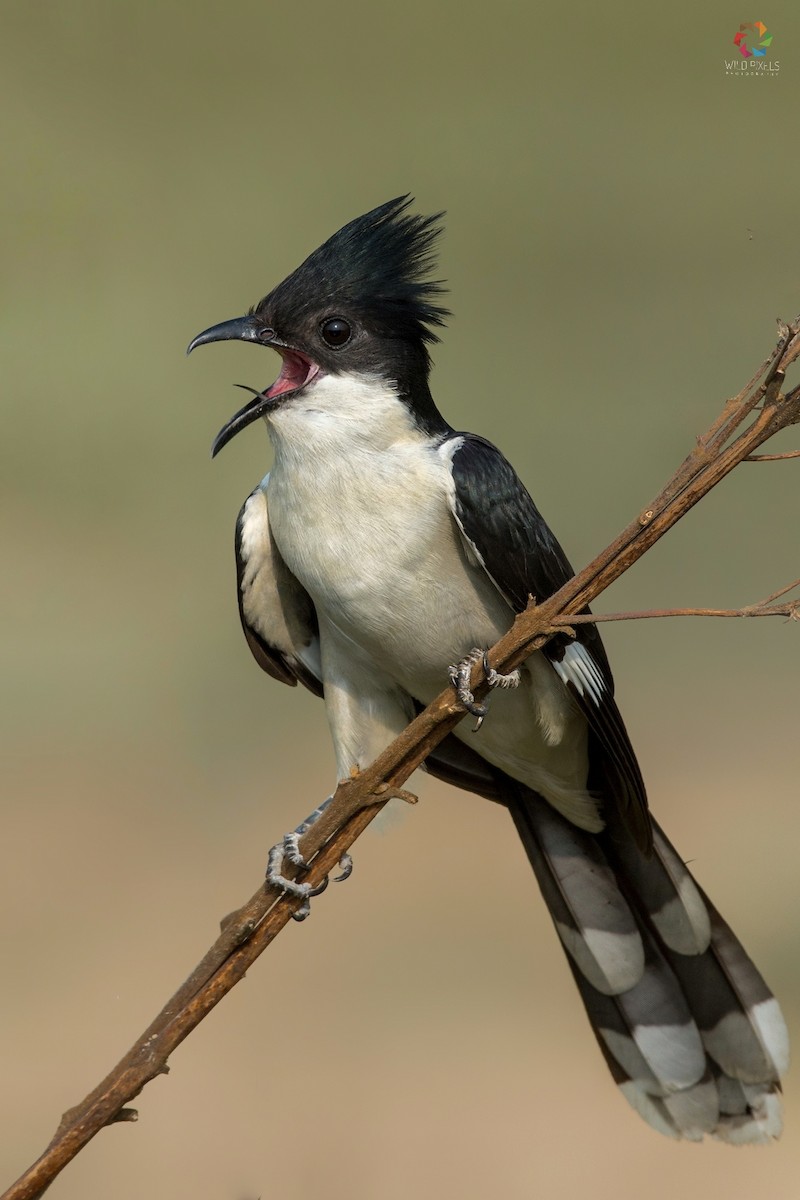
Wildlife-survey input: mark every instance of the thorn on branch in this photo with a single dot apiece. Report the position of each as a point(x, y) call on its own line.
point(239, 933)
point(385, 791)
point(124, 1114)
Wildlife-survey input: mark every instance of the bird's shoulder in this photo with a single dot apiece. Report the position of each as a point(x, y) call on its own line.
point(500, 522)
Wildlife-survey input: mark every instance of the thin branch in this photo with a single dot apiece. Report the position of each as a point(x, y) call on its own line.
point(789, 587)
point(762, 410)
point(792, 611)
point(772, 457)
point(764, 608)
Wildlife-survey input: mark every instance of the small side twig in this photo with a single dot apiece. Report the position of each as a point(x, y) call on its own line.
point(764, 608)
point(772, 457)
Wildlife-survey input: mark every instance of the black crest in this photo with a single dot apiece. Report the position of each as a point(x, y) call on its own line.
point(375, 265)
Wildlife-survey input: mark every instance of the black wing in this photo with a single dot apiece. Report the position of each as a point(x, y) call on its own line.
point(513, 543)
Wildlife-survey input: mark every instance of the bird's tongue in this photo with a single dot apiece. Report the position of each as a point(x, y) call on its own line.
point(295, 371)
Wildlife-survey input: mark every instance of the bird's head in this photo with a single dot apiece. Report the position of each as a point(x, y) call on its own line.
point(360, 305)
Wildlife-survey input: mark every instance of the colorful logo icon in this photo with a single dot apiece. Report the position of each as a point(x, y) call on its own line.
point(761, 38)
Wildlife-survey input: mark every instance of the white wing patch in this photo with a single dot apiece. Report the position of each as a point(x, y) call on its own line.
point(579, 668)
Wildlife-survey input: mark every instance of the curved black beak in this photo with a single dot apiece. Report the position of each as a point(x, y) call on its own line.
point(255, 408)
point(243, 329)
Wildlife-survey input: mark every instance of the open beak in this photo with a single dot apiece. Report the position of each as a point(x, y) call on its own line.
point(296, 372)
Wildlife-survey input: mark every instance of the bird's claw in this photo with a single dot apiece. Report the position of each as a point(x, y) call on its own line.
point(290, 887)
point(288, 849)
point(291, 850)
point(495, 678)
point(460, 678)
point(346, 865)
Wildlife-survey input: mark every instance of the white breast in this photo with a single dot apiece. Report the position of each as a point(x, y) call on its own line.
point(368, 531)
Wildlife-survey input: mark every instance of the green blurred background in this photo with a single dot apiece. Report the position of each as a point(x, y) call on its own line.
point(621, 234)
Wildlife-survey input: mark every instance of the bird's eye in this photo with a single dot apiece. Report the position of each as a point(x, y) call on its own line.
point(335, 331)
point(265, 334)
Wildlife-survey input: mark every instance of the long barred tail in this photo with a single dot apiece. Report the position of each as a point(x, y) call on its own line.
point(691, 1033)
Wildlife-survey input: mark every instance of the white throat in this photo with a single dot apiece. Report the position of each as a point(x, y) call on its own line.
point(342, 416)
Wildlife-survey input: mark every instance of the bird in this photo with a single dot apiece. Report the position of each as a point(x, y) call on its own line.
point(378, 558)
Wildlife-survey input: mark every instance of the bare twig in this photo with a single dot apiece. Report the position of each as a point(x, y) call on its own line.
point(787, 587)
point(790, 611)
point(357, 801)
point(772, 457)
point(764, 608)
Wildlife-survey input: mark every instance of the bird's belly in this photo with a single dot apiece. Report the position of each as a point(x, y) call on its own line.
point(412, 613)
point(385, 566)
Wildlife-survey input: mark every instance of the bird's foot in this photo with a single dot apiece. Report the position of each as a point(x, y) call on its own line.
point(288, 850)
point(495, 678)
point(460, 676)
point(280, 854)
